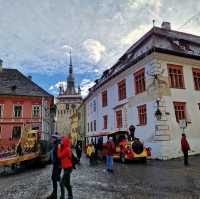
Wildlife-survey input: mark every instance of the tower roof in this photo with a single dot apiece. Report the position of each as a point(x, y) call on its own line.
point(70, 79)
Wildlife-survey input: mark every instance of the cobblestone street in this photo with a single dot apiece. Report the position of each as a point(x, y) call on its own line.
point(156, 179)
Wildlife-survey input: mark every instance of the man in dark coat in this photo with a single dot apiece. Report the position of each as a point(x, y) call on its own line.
point(79, 150)
point(185, 148)
point(56, 171)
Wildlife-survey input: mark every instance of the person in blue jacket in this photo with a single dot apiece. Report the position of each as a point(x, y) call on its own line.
point(56, 171)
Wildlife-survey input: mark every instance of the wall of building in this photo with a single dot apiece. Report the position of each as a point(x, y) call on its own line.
point(165, 143)
point(192, 98)
point(8, 121)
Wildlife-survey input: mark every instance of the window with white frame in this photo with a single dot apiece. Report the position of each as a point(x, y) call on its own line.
point(36, 111)
point(16, 133)
point(94, 106)
point(17, 111)
point(90, 107)
point(1, 110)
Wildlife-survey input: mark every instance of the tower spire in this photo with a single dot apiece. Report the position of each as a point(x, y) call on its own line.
point(70, 62)
point(70, 79)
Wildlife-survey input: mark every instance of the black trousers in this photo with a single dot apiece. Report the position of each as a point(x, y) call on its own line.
point(65, 183)
point(185, 157)
point(55, 177)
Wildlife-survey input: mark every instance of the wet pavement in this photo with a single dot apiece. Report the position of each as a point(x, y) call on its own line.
point(156, 179)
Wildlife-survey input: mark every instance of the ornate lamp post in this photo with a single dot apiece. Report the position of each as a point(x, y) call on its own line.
point(158, 113)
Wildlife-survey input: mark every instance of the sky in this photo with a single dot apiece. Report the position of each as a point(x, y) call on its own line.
point(36, 36)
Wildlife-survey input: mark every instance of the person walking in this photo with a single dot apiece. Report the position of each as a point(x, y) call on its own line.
point(90, 153)
point(79, 150)
point(110, 151)
point(56, 171)
point(65, 155)
point(185, 148)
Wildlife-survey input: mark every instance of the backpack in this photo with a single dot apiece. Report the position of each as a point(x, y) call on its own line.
point(74, 161)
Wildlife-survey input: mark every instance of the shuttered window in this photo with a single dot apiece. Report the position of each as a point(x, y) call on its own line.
point(122, 89)
point(119, 119)
point(104, 98)
point(176, 78)
point(196, 77)
point(105, 121)
point(139, 78)
point(142, 114)
point(180, 110)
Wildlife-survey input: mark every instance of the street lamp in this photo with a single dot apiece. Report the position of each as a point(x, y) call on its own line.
point(158, 113)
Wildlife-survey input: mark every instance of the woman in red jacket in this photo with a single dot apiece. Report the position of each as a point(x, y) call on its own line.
point(65, 155)
point(185, 148)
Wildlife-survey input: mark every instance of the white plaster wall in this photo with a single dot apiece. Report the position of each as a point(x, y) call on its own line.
point(192, 98)
point(160, 149)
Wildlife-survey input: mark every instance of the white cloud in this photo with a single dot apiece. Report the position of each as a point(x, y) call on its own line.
point(85, 85)
point(94, 50)
point(35, 37)
point(55, 88)
point(134, 35)
point(138, 4)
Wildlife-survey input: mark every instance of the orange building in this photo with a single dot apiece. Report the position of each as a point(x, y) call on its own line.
point(23, 104)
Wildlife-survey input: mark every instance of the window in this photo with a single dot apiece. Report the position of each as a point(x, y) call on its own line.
point(17, 111)
point(104, 98)
point(90, 107)
point(196, 76)
point(142, 114)
point(122, 89)
point(16, 133)
point(176, 79)
point(1, 110)
point(91, 126)
point(88, 127)
point(94, 106)
point(119, 118)
point(139, 77)
point(36, 111)
point(95, 127)
point(105, 122)
point(180, 110)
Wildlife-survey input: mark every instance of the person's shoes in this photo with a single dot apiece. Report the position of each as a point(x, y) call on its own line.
point(52, 196)
point(70, 197)
point(111, 170)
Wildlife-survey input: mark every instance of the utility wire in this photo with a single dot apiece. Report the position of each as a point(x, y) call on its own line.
point(190, 20)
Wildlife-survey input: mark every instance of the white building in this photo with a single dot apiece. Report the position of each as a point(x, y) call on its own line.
point(159, 74)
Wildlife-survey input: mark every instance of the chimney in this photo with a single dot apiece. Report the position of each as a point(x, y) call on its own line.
point(1, 65)
point(30, 77)
point(166, 25)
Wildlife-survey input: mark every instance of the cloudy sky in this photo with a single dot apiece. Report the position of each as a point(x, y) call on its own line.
point(36, 36)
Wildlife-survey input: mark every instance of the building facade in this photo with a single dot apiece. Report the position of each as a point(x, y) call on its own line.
point(155, 86)
point(23, 104)
point(67, 103)
point(81, 122)
point(74, 128)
